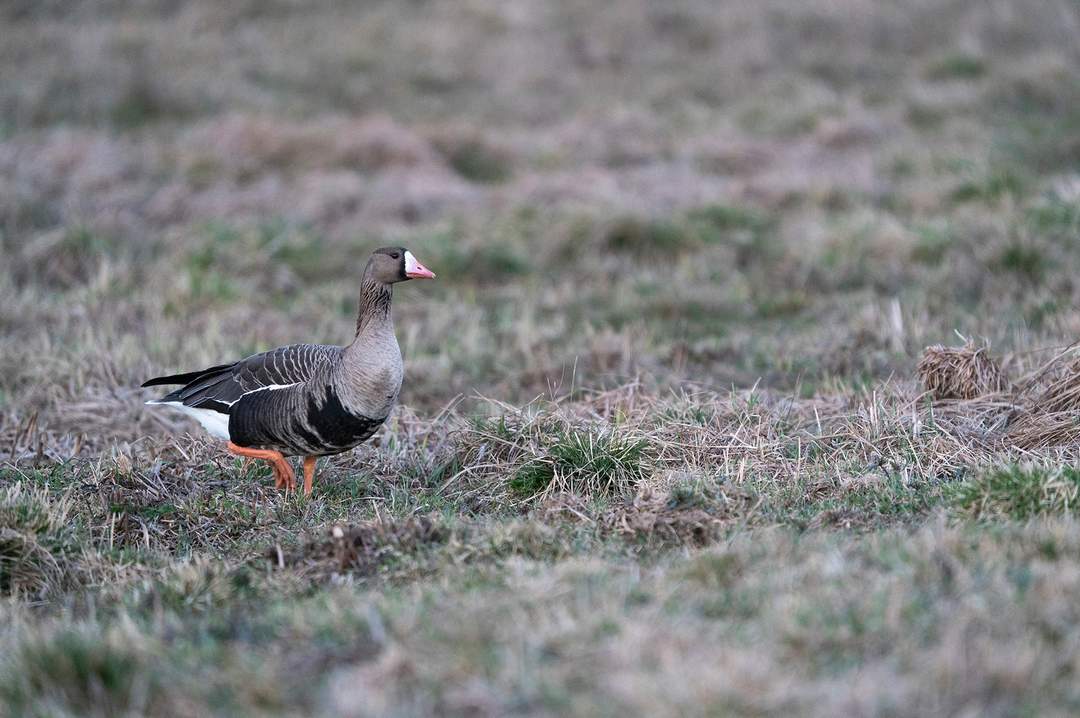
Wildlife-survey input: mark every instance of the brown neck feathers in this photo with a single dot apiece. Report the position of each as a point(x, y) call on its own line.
point(374, 303)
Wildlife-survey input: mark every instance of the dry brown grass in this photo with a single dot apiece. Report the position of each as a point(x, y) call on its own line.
point(679, 518)
point(1050, 405)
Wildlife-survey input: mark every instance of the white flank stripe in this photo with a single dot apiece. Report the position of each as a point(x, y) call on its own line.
point(215, 423)
point(268, 387)
point(271, 387)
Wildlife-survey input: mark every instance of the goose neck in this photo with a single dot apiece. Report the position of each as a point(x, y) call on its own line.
point(374, 309)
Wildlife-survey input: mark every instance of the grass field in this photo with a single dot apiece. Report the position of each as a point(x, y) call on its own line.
point(664, 447)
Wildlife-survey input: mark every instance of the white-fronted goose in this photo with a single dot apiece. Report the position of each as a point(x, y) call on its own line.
point(307, 399)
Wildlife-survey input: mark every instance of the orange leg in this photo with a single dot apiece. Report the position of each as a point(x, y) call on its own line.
point(283, 473)
point(309, 473)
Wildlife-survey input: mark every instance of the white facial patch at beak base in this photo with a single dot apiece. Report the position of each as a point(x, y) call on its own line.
point(415, 270)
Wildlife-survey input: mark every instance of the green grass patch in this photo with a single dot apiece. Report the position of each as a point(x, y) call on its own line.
point(647, 236)
point(1038, 315)
point(1018, 492)
point(605, 461)
point(150, 512)
point(932, 245)
point(721, 218)
point(748, 230)
point(780, 304)
point(206, 279)
point(1039, 121)
point(477, 162)
point(990, 189)
point(925, 117)
point(140, 105)
point(76, 671)
point(744, 228)
point(55, 477)
point(496, 259)
point(957, 67)
point(1056, 218)
point(39, 544)
point(305, 252)
point(1024, 260)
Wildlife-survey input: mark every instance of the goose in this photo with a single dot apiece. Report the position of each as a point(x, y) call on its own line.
point(306, 400)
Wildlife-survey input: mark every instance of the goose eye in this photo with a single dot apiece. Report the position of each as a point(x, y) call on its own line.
point(395, 255)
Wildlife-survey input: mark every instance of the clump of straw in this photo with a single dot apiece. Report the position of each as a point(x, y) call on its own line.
point(966, 372)
point(1061, 393)
point(1051, 414)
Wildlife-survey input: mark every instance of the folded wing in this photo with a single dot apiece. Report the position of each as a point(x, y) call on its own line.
point(219, 387)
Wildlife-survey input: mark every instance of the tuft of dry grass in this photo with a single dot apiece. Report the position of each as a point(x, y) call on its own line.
point(361, 549)
point(967, 372)
point(687, 515)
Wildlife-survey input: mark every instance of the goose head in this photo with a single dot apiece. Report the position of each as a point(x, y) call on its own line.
point(389, 265)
